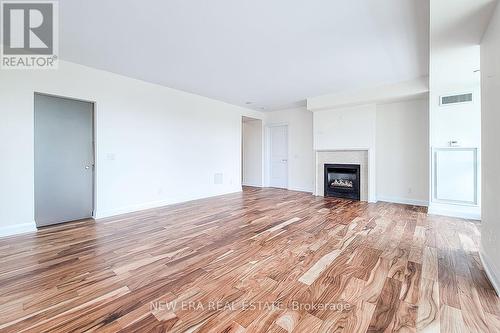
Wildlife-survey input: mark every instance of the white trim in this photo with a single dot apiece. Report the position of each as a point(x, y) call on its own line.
point(153, 204)
point(251, 184)
point(491, 271)
point(17, 229)
point(404, 201)
point(464, 212)
point(301, 189)
point(262, 152)
point(436, 151)
point(130, 209)
point(342, 149)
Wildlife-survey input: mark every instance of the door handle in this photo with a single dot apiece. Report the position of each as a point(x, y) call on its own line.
point(284, 161)
point(87, 167)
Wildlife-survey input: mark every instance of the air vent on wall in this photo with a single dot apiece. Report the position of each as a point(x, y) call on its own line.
point(456, 99)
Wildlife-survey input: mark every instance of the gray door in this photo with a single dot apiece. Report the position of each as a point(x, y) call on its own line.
point(64, 159)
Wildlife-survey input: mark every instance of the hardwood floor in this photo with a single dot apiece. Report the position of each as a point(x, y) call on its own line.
point(265, 260)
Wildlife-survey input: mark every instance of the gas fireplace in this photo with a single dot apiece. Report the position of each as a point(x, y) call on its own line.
point(342, 181)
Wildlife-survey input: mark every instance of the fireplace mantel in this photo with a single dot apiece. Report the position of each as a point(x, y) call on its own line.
point(356, 155)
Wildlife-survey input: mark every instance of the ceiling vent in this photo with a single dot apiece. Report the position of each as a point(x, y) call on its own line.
point(456, 99)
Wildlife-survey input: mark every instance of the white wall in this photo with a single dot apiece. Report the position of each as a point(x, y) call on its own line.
point(252, 154)
point(155, 145)
point(300, 146)
point(490, 69)
point(349, 128)
point(452, 72)
point(454, 62)
point(402, 152)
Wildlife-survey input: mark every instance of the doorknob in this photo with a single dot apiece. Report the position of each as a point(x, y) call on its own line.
point(87, 167)
point(284, 161)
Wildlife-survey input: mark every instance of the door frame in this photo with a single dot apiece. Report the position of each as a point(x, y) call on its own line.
point(94, 148)
point(262, 152)
point(268, 153)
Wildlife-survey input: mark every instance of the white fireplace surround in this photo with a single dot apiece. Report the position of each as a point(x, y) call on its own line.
point(361, 156)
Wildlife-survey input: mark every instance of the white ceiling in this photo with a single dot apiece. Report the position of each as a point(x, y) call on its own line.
point(458, 23)
point(274, 53)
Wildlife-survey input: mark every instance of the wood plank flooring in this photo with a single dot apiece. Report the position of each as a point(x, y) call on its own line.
point(265, 260)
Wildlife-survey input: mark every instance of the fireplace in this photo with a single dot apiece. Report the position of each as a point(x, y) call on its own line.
point(342, 181)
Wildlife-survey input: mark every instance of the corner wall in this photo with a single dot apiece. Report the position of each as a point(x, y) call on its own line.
point(453, 72)
point(402, 152)
point(155, 145)
point(252, 154)
point(455, 129)
point(490, 77)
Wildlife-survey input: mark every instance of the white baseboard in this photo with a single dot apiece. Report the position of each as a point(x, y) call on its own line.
point(100, 214)
point(251, 185)
point(404, 201)
point(300, 189)
point(464, 212)
point(492, 272)
point(17, 229)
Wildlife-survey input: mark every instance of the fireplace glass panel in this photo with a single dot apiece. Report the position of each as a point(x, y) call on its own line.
point(342, 181)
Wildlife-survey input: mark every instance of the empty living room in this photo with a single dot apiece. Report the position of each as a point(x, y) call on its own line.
point(250, 166)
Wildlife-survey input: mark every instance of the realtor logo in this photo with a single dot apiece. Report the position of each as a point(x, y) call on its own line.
point(29, 34)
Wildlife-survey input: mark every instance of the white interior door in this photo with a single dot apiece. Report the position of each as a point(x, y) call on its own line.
point(278, 175)
point(64, 159)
